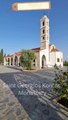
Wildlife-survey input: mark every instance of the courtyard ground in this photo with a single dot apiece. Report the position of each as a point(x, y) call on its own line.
point(28, 95)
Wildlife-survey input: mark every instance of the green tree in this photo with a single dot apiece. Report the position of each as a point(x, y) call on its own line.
point(27, 58)
point(65, 63)
point(60, 85)
point(1, 56)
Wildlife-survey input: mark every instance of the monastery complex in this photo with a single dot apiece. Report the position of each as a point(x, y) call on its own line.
point(47, 55)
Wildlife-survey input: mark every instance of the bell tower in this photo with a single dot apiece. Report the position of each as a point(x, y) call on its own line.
point(44, 33)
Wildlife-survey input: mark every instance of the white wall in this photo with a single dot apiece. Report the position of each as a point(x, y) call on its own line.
point(54, 56)
point(5, 63)
point(60, 56)
point(37, 60)
point(46, 53)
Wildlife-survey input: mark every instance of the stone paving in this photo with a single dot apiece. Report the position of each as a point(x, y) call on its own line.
point(28, 95)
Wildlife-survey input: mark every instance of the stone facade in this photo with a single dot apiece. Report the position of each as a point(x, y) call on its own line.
point(13, 60)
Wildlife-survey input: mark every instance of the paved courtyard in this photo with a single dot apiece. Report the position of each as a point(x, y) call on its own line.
point(28, 95)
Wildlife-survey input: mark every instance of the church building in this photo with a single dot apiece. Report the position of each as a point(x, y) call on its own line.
point(47, 55)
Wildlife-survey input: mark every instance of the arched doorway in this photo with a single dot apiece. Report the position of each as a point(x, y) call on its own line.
point(11, 61)
point(8, 61)
point(43, 61)
point(20, 61)
point(16, 60)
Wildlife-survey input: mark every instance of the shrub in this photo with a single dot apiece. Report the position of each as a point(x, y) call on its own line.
point(60, 85)
point(65, 63)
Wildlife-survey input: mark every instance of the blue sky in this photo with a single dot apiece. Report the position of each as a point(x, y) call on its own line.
point(21, 30)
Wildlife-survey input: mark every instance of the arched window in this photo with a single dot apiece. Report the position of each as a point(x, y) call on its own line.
point(58, 60)
point(16, 60)
point(43, 31)
point(43, 61)
point(43, 38)
point(43, 23)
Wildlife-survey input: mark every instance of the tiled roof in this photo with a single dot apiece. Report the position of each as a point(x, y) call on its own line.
point(36, 49)
point(18, 53)
point(54, 50)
